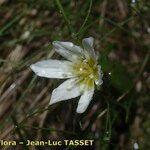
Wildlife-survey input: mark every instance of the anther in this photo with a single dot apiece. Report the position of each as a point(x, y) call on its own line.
point(85, 60)
point(91, 76)
point(81, 69)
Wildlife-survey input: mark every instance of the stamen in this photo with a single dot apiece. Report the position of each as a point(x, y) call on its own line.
point(85, 61)
point(88, 71)
point(91, 76)
point(81, 69)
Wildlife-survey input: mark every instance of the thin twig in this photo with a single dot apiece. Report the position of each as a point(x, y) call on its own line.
point(60, 7)
point(19, 132)
point(86, 18)
point(103, 12)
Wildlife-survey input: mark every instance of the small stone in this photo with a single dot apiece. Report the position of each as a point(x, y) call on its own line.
point(136, 146)
point(138, 86)
point(25, 35)
point(148, 29)
point(33, 12)
point(133, 1)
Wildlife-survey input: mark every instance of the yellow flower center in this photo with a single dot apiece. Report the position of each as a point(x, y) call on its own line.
point(87, 72)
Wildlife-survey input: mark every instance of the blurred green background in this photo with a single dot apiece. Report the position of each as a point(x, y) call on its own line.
point(118, 117)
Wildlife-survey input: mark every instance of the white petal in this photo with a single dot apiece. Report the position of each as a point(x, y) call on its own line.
point(70, 46)
point(99, 81)
point(89, 40)
point(53, 69)
point(88, 47)
point(66, 90)
point(68, 50)
point(85, 100)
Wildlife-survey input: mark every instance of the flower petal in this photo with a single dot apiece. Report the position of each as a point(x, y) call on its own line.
point(52, 69)
point(66, 90)
point(85, 100)
point(68, 50)
point(99, 81)
point(70, 46)
point(88, 47)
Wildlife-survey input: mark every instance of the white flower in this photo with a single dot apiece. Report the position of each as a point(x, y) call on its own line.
point(81, 71)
